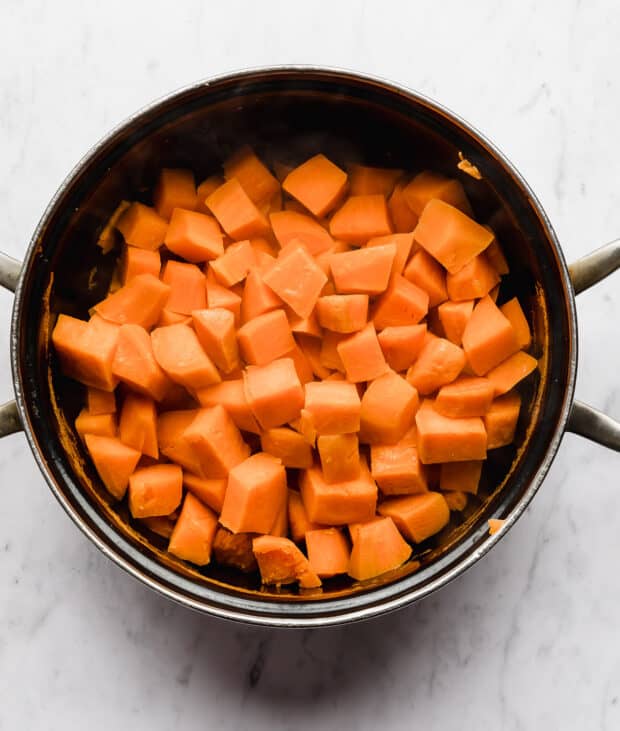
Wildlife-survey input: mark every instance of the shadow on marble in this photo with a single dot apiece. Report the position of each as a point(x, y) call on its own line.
point(292, 669)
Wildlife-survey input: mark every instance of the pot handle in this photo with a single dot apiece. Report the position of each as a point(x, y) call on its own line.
point(9, 274)
point(585, 420)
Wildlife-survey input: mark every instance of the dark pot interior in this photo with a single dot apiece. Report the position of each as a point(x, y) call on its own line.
point(286, 115)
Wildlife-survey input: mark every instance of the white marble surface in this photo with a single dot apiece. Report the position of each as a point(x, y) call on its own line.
point(530, 638)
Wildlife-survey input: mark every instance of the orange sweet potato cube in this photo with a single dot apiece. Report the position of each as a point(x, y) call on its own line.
point(449, 235)
point(100, 402)
point(139, 261)
point(134, 363)
point(311, 348)
point(209, 491)
point(194, 532)
point(460, 476)
point(501, 420)
point(509, 372)
point(340, 456)
point(175, 188)
point(215, 329)
point(138, 424)
point(417, 517)
point(194, 236)
point(378, 547)
point(171, 427)
point(328, 552)
point(343, 313)
point(476, 279)
point(388, 409)
point(168, 317)
point(114, 462)
point(234, 549)
point(289, 446)
point(426, 273)
point(290, 225)
point(401, 344)
point(302, 363)
point(402, 303)
point(404, 246)
point(231, 395)
point(204, 190)
point(403, 218)
point(298, 520)
point(363, 271)
point(362, 356)
point(178, 351)
point(155, 490)
point(257, 297)
point(216, 441)
point(265, 338)
point(466, 396)
point(317, 184)
point(296, 279)
point(280, 526)
point(438, 363)
point(454, 316)
point(255, 494)
point(187, 287)
point(366, 180)
point(86, 350)
point(281, 562)
point(236, 213)
point(489, 338)
point(338, 503)
point(329, 357)
point(274, 392)
point(361, 218)
point(443, 439)
point(396, 468)
point(234, 264)
point(513, 311)
point(333, 406)
point(495, 255)
point(252, 174)
point(142, 226)
point(427, 185)
point(140, 302)
point(222, 297)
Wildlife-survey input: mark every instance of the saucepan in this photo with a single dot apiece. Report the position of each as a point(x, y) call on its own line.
point(289, 113)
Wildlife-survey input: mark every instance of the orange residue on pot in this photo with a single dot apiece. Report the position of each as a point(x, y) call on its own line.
point(465, 166)
point(495, 525)
point(107, 237)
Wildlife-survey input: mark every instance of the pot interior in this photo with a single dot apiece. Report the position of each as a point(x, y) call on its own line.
point(286, 115)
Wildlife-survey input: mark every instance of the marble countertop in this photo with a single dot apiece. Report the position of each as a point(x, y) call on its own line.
point(529, 638)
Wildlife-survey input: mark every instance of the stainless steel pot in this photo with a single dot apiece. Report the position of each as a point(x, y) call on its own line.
point(350, 117)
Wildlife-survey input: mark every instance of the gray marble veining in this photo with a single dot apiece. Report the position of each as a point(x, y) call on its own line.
point(527, 639)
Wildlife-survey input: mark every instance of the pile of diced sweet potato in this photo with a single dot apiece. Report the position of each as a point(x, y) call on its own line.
point(287, 363)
